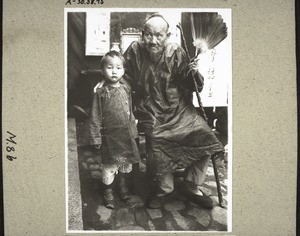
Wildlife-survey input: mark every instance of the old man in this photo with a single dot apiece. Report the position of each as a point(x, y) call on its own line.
point(177, 135)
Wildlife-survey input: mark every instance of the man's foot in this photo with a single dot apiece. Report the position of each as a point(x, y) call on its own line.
point(108, 199)
point(197, 196)
point(157, 202)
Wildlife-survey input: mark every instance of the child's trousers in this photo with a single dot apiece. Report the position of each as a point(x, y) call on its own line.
point(110, 170)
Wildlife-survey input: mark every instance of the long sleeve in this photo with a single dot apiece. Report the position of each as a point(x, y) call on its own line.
point(132, 59)
point(182, 72)
point(199, 79)
point(96, 121)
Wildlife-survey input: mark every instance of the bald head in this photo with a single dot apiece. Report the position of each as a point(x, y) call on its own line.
point(156, 20)
point(155, 34)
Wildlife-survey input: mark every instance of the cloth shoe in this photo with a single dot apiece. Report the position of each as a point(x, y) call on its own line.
point(123, 186)
point(203, 201)
point(108, 199)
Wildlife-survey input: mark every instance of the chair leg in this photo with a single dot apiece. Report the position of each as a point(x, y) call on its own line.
point(217, 181)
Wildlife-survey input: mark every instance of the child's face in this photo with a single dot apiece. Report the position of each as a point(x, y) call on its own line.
point(113, 70)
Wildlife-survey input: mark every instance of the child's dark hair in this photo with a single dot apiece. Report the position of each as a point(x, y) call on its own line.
point(111, 54)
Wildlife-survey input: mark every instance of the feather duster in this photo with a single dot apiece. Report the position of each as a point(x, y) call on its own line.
point(208, 30)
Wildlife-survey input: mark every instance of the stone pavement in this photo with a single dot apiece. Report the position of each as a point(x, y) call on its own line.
point(74, 201)
point(178, 214)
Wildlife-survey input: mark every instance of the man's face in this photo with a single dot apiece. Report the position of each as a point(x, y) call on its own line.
point(155, 35)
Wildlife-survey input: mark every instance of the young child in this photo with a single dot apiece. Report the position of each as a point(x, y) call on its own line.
point(113, 127)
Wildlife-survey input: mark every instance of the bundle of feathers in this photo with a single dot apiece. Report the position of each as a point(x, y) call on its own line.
point(208, 30)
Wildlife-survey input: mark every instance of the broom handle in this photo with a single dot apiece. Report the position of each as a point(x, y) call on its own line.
point(202, 112)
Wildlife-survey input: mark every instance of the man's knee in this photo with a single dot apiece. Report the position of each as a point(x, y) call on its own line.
point(165, 183)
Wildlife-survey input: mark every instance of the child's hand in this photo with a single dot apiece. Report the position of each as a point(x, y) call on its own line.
point(97, 146)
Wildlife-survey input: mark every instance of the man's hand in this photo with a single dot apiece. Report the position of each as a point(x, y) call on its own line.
point(193, 67)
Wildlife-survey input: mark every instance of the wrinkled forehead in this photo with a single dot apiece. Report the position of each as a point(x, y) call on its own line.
point(156, 24)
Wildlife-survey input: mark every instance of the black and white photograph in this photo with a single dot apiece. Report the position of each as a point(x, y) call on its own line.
point(149, 117)
point(148, 107)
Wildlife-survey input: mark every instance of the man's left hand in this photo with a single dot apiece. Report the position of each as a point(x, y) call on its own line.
point(193, 67)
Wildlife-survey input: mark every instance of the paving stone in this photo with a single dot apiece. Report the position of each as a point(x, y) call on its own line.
point(74, 198)
point(224, 182)
point(210, 171)
point(221, 175)
point(96, 174)
point(169, 225)
point(211, 184)
point(141, 217)
point(223, 189)
point(135, 201)
point(94, 167)
point(104, 213)
point(90, 160)
point(216, 201)
point(131, 228)
point(180, 220)
point(205, 190)
point(88, 153)
point(202, 217)
point(174, 206)
point(72, 145)
point(154, 213)
point(84, 165)
point(219, 215)
point(124, 218)
point(151, 225)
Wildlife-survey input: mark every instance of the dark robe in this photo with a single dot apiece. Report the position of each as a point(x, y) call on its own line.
point(112, 125)
point(177, 133)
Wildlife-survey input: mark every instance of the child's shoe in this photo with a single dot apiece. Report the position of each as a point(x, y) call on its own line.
point(108, 199)
point(123, 186)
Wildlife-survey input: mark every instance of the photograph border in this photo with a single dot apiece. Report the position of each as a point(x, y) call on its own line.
point(229, 107)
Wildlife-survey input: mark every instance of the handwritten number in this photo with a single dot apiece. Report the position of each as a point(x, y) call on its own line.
point(11, 158)
point(9, 149)
point(84, 2)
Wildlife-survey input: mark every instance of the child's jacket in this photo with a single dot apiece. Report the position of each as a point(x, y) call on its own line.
point(113, 125)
